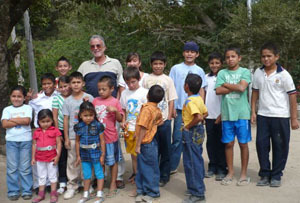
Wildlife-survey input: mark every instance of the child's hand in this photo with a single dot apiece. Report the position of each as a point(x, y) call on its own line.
point(78, 160)
point(123, 125)
point(55, 160)
point(102, 160)
point(138, 149)
point(218, 120)
point(253, 118)
point(294, 124)
point(33, 162)
point(174, 113)
point(67, 144)
point(111, 109)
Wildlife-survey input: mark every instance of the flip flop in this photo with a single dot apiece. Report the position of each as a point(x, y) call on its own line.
point(226, 181)
point(112, 193)
point(133, 193)
point(243, 182)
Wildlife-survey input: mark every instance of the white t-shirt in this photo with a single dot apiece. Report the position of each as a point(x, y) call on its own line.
point(212, 101)
point(19, 133)
point(131, 101)
point(123, 83)
point(274, 92)
point(168, 85)
point(41, 102)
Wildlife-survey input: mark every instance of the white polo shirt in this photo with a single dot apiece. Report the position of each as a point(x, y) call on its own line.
point(212, 101)
point(274, 91)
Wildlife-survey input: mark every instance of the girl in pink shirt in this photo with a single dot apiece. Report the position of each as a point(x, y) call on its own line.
point(46, 149)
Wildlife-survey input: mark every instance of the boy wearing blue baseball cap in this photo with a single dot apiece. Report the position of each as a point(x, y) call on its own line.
point(178, 73)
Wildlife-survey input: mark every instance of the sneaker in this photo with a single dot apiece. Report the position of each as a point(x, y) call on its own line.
point(147, 199)
point(162, 183)
point(194, 199)
point(173, 172)
point(138, 198)
point(13, 197)
point(69, 194)
point(187, 193)
point(220, 176)
point(264, 181)
point(61, 190)
point(209, 174)
point(27, 197)
point(275, 183)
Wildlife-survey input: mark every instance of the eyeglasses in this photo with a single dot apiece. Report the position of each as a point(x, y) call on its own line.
point(97, 46)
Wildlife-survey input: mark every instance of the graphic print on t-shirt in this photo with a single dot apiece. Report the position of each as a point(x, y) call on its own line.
point(132, 109)
point(101, 112)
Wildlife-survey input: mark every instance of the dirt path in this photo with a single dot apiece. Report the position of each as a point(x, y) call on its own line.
point(173, 192)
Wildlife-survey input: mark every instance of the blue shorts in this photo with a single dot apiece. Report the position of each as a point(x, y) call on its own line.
point(113, 153)
point(87, 170)
point(240, 128)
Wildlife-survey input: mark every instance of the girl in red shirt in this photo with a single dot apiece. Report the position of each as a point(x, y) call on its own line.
point(46, 149)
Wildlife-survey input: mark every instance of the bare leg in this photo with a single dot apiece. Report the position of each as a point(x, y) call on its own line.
point(134, 163)
point(53, 186)
point(114, 174)
point(86, 184)
point(244, 160)
point(229, 158)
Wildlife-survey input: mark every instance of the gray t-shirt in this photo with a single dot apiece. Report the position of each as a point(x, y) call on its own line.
point(71, 109)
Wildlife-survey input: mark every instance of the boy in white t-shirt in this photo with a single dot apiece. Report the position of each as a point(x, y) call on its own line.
point(163, 135)
point(131, 102)
point(215, 148)
point(275, 92)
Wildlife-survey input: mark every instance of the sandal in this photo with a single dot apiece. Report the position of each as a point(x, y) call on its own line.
point(226, 181)
point(100, 197)
point(112, 193)
point(40, 197)
point(133, 193)
point(53, 197)
point(132, 177)
point(243, 182)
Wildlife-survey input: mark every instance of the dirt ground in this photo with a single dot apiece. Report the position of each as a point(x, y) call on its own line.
point(173, 192)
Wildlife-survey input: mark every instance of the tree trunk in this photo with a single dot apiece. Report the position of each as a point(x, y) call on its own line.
point(11, 11)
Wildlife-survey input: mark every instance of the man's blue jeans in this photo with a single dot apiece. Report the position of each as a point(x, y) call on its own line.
point(18, 172)
point(176, 147)
point(147, 177)
point(193, 161)
point(163, 137)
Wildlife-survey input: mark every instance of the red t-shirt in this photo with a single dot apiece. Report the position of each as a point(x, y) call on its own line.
point(108, 118)
point(45, 139)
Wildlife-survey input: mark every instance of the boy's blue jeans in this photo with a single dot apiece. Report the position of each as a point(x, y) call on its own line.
point(176, 147)
point(193, 161)
point(147, 177)
point(163, 137)
point(18, 172)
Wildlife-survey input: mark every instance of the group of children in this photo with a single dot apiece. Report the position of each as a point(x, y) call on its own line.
point(76, 133)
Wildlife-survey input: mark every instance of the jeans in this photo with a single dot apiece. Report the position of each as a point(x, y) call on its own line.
point(276, 130)
point(176, 147)
point(163, 137)
point(18, 172)
point(147, 177)
point(193, 161)
point(62, 164)
point(215, 148)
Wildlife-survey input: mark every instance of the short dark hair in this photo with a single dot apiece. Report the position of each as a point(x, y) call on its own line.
point(49, 76)
point(194, 82)
point(45, 113)
point(62, 58)
point(131, 72)
point(270, 46)
point(87, 106)
point(158, 55)
point(109, 80)
point(19, 88)
point(215, 55)
point(156, 94)
point(234, 48)
point(77, 75)
point(65, 79)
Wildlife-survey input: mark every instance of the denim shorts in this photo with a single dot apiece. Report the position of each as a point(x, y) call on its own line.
point(113, 153)
point(240, 128)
